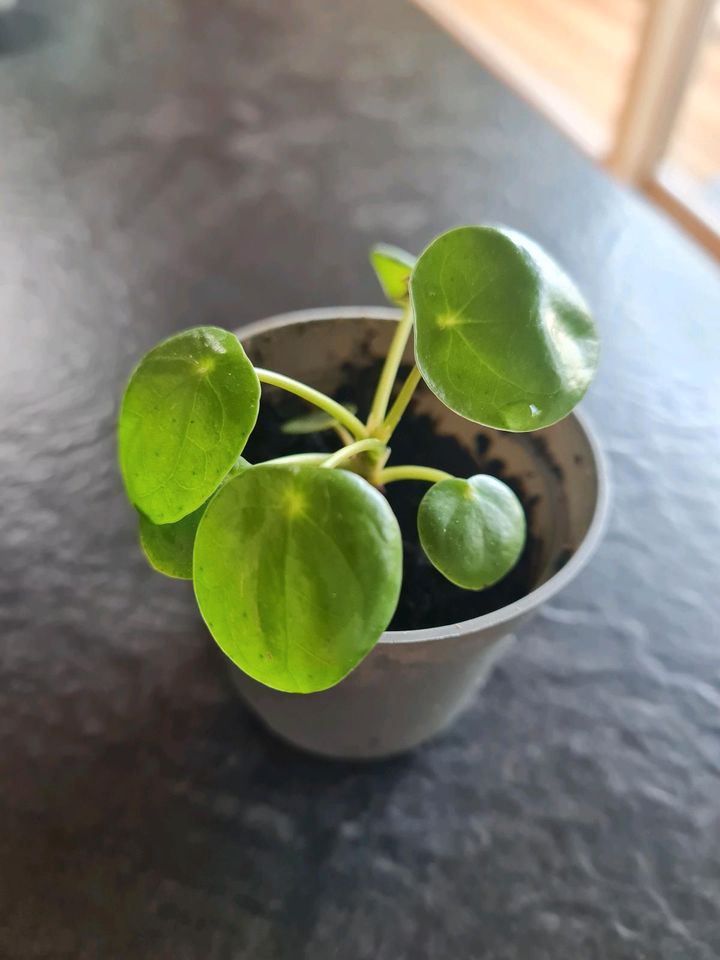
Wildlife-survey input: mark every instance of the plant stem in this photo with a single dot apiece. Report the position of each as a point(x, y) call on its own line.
point(411, 472)
point(400, 406)
point(343, 434)
point(359, 447)
point(336, 410)
point(389, 370)
point(298, 458)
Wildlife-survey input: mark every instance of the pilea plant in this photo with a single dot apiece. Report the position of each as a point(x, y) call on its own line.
point(297, 562)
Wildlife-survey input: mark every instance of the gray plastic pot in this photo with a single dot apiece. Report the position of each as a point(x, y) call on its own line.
point(416, 682)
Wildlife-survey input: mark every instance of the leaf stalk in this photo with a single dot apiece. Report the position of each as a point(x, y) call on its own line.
point(360, 446)
point(390, 368)
point(411, 472)
point(336, 410)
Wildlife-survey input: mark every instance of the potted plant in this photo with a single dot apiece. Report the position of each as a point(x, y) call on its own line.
point(297, 561)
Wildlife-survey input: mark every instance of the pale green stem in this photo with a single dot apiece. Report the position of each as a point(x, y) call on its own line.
point(343, 434)
point(410, 472)
point(298, 458)
point(389, 370)
point(336, 410)
point(347, 452)
point(400, 406)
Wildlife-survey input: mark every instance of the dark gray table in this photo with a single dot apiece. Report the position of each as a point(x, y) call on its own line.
point(167, 163)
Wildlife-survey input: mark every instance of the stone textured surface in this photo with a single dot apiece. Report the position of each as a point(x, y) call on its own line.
point(174, 162)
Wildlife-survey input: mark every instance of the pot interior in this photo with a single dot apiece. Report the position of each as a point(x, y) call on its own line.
point(553, 470)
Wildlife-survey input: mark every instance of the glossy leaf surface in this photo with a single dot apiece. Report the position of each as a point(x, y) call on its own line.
point(187, 412)
point(393, 267)
point(297, 572)
point(503, 336)
point(473, 531)
point(169, 546)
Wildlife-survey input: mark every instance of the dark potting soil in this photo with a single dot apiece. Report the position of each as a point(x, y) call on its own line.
point(427, 599)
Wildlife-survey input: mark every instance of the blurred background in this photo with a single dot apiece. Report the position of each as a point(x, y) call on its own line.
point(636, 83)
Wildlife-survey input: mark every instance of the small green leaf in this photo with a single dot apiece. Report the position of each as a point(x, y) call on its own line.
point(314, 422)
point(297, 572)
point(473, 531)
point(503, 337)
point(169, 546)
point(185, 418)
point(393, 267)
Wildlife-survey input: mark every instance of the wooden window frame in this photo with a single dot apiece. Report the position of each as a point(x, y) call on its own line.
point(668, 54)
point(668, 50)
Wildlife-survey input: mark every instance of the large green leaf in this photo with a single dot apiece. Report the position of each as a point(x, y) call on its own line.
point(393, 267)
point(473, 531)
point(297, 572)
point(169, 546)
point(503, 336)
point(185, 418)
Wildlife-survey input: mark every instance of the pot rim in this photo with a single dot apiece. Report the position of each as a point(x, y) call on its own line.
point(528, 603)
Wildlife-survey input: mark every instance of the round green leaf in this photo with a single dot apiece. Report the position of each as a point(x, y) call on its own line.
point(169, 546)
point(297, 572)
point(185, 418)
point(503, 336)
point(393, 267)
point(473, 531)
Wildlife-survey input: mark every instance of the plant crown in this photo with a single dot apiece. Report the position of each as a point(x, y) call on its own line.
point(297, 562)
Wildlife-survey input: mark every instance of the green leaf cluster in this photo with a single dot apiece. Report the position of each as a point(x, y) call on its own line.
point(297, 563)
